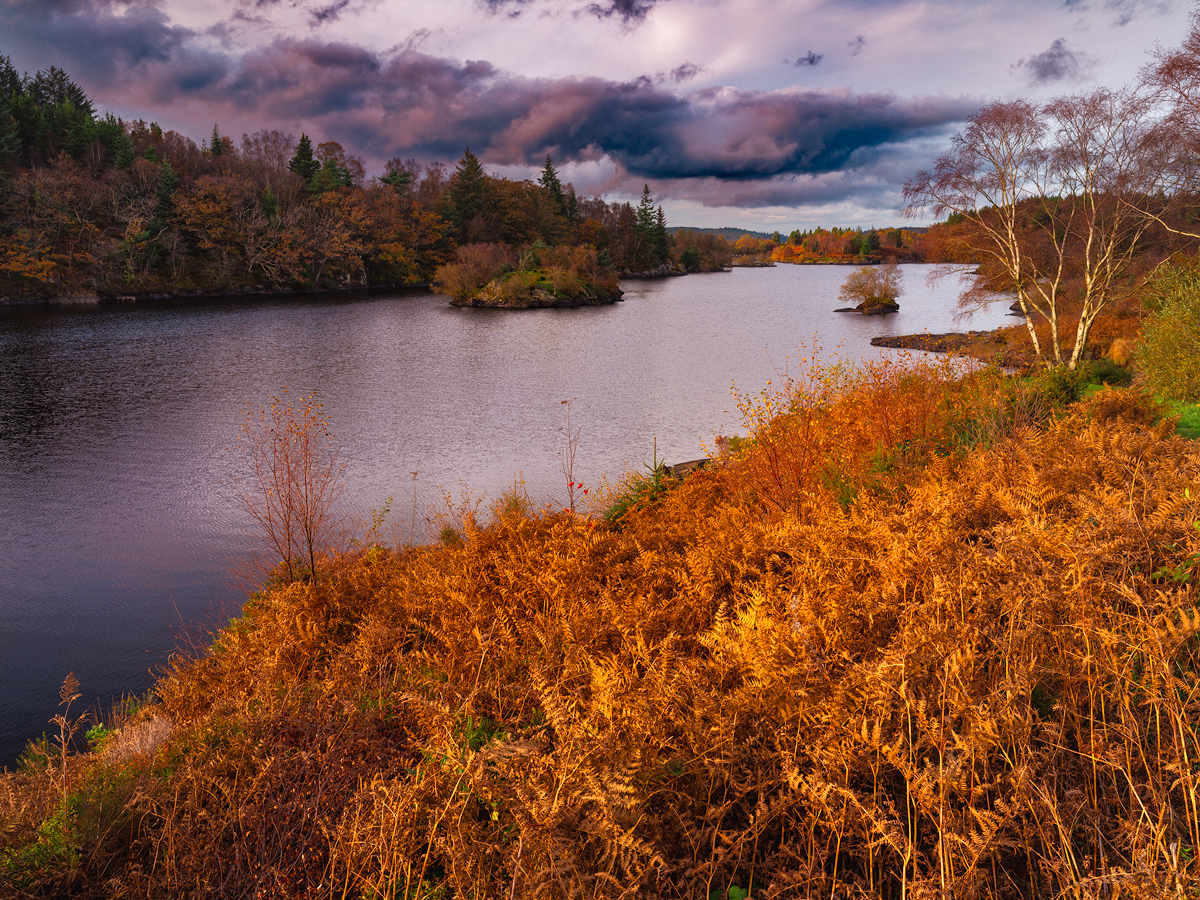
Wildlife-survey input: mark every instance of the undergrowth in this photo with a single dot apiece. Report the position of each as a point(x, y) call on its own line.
point(919, 635)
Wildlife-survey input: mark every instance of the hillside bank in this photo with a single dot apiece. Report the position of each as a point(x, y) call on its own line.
point(891, 643)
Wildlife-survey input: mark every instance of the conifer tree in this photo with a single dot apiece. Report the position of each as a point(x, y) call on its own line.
point(53, 86)
point(303, 163)
point(466, 192)
point(10, 142)
point(116, 141)
point(168, 184)
point(553, 186)
point(10, 82)
point(215, 147)
point(572, 206)
point(645, 215)
point(662, 239)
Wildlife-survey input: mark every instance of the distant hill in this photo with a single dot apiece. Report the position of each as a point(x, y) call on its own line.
point(730, 234)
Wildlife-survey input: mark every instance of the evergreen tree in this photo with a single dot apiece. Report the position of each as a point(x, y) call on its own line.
point(303, 163)
point(11, 83)
point(164, 209)
point(10, 144)
point(216, 143)
point(111, 133)
point(52, 87)
point(645, 215)
point(330, 177)
point(398, 180)
point(662, 239)
point(553, 187)
point(466, 192)
point(572, 207)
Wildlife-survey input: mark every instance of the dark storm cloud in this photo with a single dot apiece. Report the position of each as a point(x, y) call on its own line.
point(808, 59)
point(752, 144)
point(90, 37)
point(411, 103)
point(1055, 63)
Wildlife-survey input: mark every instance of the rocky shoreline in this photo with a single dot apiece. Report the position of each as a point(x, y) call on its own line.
point(538, 298)
point(987, 346)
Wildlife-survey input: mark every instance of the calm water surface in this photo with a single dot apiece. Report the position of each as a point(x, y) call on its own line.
point(119, 523)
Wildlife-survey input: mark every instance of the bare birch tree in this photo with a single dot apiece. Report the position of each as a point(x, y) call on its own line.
point(1055, 200)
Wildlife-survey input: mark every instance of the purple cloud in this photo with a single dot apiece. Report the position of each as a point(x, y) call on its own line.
point(1055, 63)
point(808, 59)
point(725, 142)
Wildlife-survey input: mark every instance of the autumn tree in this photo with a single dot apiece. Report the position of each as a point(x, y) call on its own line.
point(1173, 79)
point(266, 153)
point(1045, 193)
point(874, 289)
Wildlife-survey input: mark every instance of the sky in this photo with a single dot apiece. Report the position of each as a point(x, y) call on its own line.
point(761, 114)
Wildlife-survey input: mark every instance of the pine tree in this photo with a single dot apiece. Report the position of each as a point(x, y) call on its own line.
point(645, 215)
point(52, 87)
point(11, 83)
point(466, 192)
point(215, 145)
point(10, 141)
point(549, 181)
point(111, 133)
point(164, 209)
point(572, 206)
point(303, 163)
point(662, 239)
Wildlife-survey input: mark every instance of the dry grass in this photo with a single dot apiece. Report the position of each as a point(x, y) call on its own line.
point(966, 666)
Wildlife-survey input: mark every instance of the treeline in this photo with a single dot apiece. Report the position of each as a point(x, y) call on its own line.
point(99, 206)
point(843, 244)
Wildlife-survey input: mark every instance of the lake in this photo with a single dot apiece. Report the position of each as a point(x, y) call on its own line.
point(121, 525)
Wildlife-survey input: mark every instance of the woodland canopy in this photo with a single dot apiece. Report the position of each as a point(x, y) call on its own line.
point(98, 206)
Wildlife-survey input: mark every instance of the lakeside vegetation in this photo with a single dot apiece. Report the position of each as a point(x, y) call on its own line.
point(917, 633)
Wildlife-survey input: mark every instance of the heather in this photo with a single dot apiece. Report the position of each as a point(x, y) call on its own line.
point(918, 634)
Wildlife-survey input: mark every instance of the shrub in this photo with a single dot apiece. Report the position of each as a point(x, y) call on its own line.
point(1106, 371)
point(475, 266)
point(1169, 351)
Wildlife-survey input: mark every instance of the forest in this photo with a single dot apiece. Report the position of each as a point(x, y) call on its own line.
point(95, 206)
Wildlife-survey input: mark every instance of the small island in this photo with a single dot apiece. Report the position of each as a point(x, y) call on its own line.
point(875, 288)
point(537, 276)
point(539, 289)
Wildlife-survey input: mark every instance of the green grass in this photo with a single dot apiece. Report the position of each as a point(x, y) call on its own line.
point(1189, 418)
point(1189, 413)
